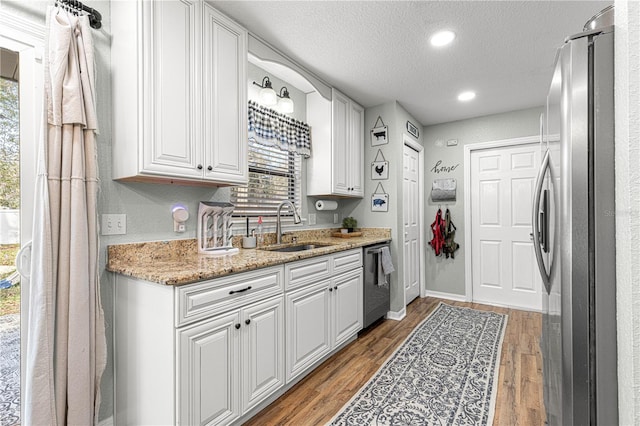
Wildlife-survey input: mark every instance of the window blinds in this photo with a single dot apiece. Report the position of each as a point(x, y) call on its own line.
point(277, 144)
point(274, 176)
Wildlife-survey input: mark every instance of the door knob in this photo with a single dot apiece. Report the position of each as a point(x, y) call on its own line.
point(199, 166)
point(238, 326)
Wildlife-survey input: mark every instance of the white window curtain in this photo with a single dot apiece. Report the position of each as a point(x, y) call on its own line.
point(66, 346)
point(277, 144)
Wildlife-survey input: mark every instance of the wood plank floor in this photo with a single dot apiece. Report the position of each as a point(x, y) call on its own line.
point(319, 396)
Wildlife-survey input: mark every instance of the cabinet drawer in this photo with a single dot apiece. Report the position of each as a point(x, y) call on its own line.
point(211, 297)
point(347, 261)
point(307, 271)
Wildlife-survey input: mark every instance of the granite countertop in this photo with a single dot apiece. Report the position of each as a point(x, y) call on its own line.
point(177, 262)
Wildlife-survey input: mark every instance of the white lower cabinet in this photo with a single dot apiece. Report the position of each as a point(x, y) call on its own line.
point(346, 306)
point(308, 335)
point(230, 363)
point(209, 371)
point(263, 351)
point(322, 315)
point(217, 351)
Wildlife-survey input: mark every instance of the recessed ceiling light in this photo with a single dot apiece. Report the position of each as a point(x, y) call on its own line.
point(466, 96)
point(442, 38)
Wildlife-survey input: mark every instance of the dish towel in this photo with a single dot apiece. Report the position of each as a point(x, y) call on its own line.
point(387, 264)
point(384, 266)
point(381, 278)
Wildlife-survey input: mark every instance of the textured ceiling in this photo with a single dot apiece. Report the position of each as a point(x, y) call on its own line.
point(378, 51)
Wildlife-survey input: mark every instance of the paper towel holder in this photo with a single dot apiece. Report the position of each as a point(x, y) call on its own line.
point(326, 205)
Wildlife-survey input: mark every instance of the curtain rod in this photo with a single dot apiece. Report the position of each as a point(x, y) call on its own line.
point(95, 18)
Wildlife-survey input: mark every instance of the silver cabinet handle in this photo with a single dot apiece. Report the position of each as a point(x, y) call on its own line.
point(534, 219)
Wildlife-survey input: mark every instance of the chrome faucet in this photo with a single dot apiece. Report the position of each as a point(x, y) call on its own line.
point(296, 219)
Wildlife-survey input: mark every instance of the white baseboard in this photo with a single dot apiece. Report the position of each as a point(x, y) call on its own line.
point(106, 422)
point(503, 305)
point(448, 296)
point(397, 315)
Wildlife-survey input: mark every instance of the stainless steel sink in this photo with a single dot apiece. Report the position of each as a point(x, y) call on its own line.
point(298, 247)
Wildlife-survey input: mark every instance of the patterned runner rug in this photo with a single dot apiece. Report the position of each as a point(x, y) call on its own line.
point(445, 373)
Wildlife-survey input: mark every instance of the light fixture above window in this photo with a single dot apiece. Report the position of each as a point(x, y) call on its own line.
point(442, 38)
point(285, 103)
point(268, 96)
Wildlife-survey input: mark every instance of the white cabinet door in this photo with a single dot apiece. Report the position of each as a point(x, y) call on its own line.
point(347, 145)
point(179, 74)
point(346, 306)
point(262, 351)
point(208, 371)
point(340, 144)
point(225, 108)
point(171, 99)
point(356, 147)
point(337, 127)
point(308, 337)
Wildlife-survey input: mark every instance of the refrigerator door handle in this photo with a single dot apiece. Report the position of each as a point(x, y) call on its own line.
point(534, 219)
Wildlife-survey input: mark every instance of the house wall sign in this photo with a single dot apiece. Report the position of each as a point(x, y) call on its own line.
point(412, 129)
point(440, 168)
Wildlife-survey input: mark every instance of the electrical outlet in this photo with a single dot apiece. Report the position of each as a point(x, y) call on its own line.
point(114, 224)
point(312, 218)
point(336, 218)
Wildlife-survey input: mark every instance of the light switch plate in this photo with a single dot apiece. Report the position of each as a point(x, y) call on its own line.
point(336, 218)
point(114, 224)
point(452, 142)
point(312, 218)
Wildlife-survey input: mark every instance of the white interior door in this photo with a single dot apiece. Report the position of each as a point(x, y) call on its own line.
point(504, 270)
point(411, 225)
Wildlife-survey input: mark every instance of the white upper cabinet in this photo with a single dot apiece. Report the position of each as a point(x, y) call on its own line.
point(179, 93)
point(356, 156)
point(337, 146)
point(225, 98)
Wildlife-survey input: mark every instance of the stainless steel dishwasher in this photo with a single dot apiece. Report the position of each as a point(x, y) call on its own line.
point(377, 295)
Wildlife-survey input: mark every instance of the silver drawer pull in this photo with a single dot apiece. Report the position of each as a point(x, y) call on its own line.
point(240, 291)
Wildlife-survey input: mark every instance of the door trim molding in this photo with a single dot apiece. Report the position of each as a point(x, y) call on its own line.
point(421, 231)
point(27, 38)
point(502, 143)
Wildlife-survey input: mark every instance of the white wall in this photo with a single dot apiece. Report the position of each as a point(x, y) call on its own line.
point(627, 146)
point(395, 117)
point(442, 274)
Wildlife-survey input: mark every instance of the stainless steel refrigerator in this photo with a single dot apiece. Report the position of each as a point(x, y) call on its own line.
point(573, 232)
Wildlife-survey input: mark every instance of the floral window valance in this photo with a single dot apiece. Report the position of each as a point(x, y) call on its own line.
point(270, 128)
